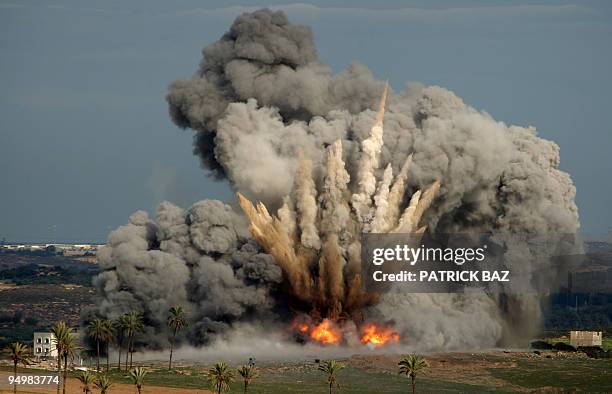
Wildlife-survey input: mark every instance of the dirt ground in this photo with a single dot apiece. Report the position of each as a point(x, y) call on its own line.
point(74, 387)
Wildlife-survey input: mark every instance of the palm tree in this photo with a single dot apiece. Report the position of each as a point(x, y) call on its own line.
point(248, 373)
point(96, 331)
point(138, 374)
point(176, 321)
point(18, 352)
point(108, 337)
point(220, 377)
point(119, 326)
point(410, 366)
point(69, 351)
point(103, 384)
point(330, 368)
point(87, 379)
point(133, 325)
point(59, 330)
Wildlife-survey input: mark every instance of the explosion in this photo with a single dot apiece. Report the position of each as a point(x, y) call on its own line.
point(315, 236)
point(326, 333)
point(275, 122)
point(376, 335)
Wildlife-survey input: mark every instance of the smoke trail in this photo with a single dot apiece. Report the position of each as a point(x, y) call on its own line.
point(379, 222)
point(305, 201)
point(335, 210)
point(260, 98)
point(368, 164)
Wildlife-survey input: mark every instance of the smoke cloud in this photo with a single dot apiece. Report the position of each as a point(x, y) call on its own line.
point(266, 112)
point(199, 258)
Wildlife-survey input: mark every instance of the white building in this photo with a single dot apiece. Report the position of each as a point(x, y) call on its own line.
point(585, 338)
point(44, 345)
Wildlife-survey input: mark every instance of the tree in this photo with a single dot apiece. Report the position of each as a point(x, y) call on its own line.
point(108, 336)
point(59, 330)
point(220, 377)
point(87, 379)
point(103, 384)
point(138, 374)
point(120, 326)
point(69, 351)
point(410, 366)
point(331, 368)
point(18, 352)
point(133, 325)
point(176, 321)
point(248, 373)
point(96, 331)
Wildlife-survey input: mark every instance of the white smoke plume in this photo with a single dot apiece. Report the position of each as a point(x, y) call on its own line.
point(259, 100)
point(306, 204)
point(371, 148)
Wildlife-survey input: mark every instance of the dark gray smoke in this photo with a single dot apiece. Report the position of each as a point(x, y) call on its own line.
point(259, 99)
point(199, 258)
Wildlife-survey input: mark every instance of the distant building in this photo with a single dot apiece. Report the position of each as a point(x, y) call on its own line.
point(585, 338)
point(51, 249)
point(44, 345)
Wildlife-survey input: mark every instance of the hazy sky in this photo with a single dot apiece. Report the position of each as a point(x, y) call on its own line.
point(85, 137)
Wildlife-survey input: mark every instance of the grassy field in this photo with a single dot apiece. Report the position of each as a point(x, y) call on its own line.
point(459, 373)
point(571, 374)
point(307, 380)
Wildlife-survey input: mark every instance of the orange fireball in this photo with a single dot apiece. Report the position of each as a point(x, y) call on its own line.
point(378, 335)
point(326, 333)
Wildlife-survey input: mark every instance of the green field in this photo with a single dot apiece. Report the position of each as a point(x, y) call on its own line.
point(459, 373)
point(308, 380)
point(571, 374)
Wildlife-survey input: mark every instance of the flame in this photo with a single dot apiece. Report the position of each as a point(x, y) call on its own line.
point(378, 335)
point(330, 332)
point(326, 333)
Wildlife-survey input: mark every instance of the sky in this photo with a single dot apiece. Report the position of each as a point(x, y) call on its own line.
point(85, 136)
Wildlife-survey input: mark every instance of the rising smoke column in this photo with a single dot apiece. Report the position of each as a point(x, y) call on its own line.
point(260, 100)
